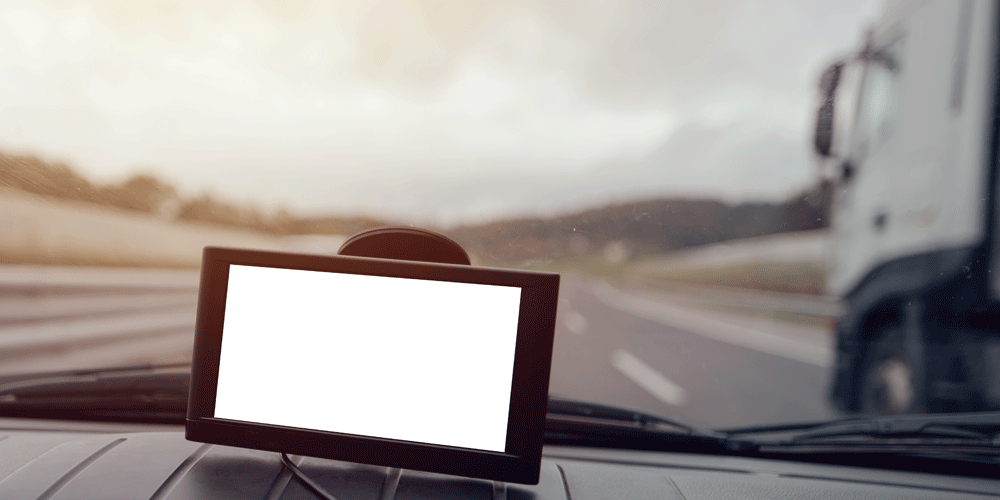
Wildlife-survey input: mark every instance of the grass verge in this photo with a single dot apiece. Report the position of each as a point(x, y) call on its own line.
point(795, 277)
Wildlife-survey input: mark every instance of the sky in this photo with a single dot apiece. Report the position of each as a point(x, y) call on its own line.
point(426, 111)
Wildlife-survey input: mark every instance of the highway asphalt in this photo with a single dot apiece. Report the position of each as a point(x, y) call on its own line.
point(642, 350)
point(635, 348)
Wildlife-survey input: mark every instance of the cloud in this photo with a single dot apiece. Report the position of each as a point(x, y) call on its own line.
point(435, 110)
point(755, 162)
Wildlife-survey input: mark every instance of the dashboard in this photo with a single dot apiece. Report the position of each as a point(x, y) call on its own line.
point(42, 459)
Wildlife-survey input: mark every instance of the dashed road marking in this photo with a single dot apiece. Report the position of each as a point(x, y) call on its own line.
point(575, 322)
point(648, 378)
point(707, 326)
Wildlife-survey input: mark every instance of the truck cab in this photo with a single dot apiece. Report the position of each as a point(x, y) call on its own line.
point(907, 131)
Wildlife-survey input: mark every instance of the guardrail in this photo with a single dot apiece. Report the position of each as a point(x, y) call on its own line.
point(95, 278)
point(791, 303)
point(89, 316)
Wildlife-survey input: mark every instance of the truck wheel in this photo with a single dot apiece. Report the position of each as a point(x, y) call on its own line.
point(889, 386)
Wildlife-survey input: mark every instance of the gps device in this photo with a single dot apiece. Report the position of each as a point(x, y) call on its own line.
point(414, 365)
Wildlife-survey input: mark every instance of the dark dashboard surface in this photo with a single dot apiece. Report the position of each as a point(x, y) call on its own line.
point(61, 460)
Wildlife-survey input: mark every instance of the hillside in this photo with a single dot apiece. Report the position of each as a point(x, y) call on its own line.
point(632, 229)
point(641, 227)
point(145, 193)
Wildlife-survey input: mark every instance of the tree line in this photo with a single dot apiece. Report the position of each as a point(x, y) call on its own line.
point(646, 227)
point(145, 193)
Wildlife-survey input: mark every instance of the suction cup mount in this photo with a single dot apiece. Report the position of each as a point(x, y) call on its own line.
point(405, 243)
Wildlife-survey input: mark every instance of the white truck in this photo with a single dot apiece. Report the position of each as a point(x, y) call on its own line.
point(907, 128)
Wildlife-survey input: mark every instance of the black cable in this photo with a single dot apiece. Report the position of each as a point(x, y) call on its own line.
point(301, 476)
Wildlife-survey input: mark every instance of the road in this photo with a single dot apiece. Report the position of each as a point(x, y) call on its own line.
point(646, 351)
point(635, 348)
point(55, 318)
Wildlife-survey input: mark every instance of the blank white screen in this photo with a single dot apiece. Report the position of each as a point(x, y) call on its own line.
point(414, 360)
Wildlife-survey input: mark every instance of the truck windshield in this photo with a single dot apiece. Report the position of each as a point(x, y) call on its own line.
point(716, 271)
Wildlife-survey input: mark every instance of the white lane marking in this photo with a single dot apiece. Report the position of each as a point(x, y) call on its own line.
point(39, 276)
point(575, 322)
point(707, 326)
point(648, 378)
point(27, 308)
point(74, 331)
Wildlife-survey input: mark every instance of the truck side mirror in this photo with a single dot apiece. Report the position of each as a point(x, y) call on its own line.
point(823, 138)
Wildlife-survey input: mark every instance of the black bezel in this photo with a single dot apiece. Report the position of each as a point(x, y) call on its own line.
point(521, 460)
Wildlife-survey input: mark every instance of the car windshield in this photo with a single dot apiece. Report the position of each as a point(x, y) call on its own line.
point(729, 255)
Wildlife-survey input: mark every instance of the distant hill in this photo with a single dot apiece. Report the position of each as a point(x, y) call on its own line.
point(643, 227)
point(639, 227)
point(144, 192)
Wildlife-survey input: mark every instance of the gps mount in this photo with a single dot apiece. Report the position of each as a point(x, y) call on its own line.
point(409, 243)
point(405, 243)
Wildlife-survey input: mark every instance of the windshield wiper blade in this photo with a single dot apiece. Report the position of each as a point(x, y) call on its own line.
point(604, 423)
point(571, 407)
point(978, 429)
point(156, 385)
point(133, 393)
point(579, 423)
point(32, 377)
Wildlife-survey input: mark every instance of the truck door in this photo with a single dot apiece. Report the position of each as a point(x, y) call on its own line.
point(917, 154)
point(902, 150)
point(862, 176)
